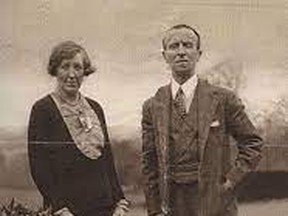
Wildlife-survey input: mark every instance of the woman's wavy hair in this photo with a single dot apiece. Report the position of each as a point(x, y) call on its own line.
point(67, 50)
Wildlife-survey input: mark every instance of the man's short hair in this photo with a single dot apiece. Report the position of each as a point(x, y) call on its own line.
point(182, 26)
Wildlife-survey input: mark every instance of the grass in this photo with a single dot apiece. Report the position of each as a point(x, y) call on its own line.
point(32, 199)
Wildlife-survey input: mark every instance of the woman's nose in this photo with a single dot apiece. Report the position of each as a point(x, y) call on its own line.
point(71, 72)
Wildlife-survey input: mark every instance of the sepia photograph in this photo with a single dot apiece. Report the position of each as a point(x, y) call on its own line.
point(143, 108)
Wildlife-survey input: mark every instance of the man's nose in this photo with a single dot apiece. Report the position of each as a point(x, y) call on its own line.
point(181, 50)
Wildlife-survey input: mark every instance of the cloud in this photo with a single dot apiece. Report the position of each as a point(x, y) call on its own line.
point(123, 39)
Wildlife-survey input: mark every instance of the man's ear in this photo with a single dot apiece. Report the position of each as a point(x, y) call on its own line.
point(199, 55)
point(164, 55)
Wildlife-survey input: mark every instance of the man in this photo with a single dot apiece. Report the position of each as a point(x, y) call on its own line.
point(186, 126)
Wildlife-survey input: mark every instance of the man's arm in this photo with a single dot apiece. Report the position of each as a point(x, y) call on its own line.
point(150, 162)
point(249, 143)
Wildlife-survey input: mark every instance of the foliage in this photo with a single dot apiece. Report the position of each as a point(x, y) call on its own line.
point(17, 209)
point(127, 154)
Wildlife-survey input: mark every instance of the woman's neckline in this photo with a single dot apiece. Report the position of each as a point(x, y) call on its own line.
point(63, 99)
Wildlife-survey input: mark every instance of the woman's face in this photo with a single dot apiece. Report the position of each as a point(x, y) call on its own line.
point(70, 74)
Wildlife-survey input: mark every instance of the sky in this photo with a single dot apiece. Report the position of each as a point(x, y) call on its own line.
point(123, 39)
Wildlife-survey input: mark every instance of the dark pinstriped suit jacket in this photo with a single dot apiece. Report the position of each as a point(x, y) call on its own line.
point(220, 115)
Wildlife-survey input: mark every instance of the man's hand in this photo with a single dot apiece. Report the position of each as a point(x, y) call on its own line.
point(228, 185)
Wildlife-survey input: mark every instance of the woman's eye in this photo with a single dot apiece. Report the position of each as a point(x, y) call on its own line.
point(78, 67)
point(65, 66)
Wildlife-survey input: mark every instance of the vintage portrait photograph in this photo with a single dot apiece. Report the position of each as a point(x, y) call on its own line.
point(143, 108)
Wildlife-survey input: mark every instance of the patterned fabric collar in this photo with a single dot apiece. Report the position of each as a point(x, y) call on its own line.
point(83, 125)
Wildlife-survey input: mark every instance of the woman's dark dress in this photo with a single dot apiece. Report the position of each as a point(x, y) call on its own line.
point(63, 174)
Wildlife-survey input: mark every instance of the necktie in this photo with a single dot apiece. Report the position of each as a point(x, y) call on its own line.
point(180, 102)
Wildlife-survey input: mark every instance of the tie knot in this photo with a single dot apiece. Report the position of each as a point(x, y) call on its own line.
point(180, 102)
point(179, 92)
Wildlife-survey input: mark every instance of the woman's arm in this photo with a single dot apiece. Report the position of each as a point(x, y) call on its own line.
point(40, 153)
point(110, 159)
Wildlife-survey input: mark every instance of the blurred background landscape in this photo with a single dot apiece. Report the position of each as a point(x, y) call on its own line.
point(244, 46)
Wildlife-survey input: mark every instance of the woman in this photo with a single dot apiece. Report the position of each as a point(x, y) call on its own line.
point(69, 151)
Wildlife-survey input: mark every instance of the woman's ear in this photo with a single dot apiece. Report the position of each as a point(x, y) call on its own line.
point(199, 54)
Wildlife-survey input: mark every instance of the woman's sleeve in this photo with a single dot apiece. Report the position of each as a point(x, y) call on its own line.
point(118, 195)
point(113, 174)
point(40, 153)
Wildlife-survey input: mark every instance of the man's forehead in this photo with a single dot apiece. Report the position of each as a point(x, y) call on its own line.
point(180, 34)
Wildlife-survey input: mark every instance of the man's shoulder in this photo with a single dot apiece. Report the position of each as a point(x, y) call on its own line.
point(159, 93)
point(218, 90)
point(162, 90)
point(225, 96)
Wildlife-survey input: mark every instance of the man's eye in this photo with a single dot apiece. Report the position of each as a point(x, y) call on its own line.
point(173, 46)
point(189, 45)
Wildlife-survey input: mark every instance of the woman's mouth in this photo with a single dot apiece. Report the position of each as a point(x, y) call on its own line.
point(71, 84)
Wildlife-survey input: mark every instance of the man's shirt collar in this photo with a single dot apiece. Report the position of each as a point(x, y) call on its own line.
point(188, 87)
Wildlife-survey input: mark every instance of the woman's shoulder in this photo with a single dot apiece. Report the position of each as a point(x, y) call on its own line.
point(45, 102)
point(97, 109)
point(94, 104)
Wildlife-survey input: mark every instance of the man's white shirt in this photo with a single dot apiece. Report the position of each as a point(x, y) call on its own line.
point(188, 88)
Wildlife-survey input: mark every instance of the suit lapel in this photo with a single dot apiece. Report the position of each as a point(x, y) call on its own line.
point(207, 101)
point(162, 105)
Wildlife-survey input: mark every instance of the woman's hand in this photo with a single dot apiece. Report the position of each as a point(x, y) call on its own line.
point(63, 212)
point(119, 212)
point(160, 214)
point(122, 208)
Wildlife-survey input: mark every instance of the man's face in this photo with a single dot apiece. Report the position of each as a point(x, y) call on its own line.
point(181, 52)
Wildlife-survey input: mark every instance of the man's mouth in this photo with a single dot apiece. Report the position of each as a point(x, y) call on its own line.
point(182, 61)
